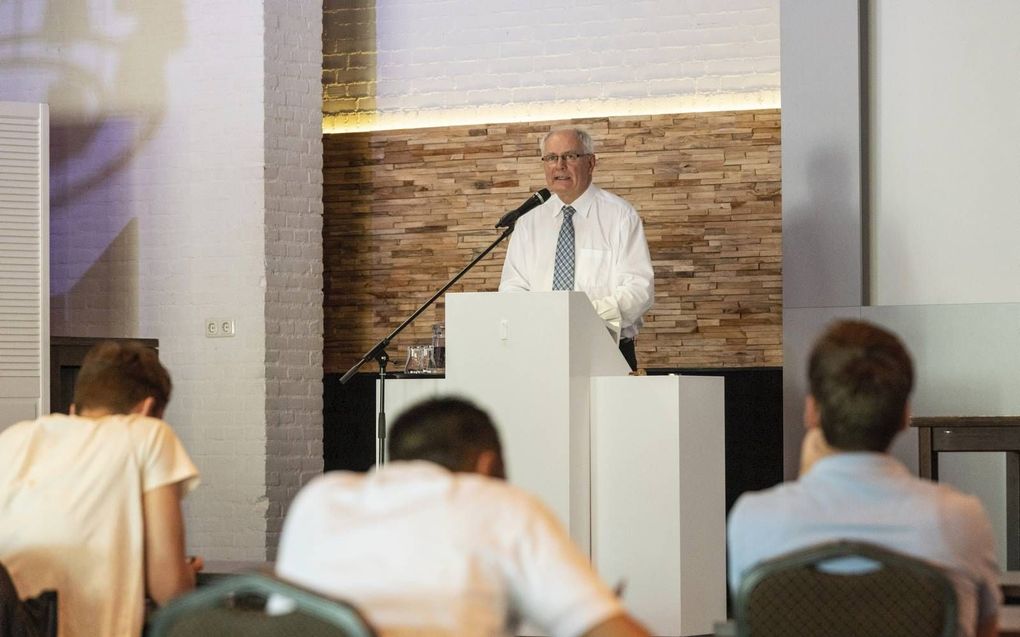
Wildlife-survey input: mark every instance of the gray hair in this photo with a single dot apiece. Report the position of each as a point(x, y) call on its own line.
point(582, 136)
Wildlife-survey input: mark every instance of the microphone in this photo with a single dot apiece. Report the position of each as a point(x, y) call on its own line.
point(534, 201)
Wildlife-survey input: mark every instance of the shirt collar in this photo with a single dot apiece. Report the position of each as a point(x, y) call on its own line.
point(857, 462)
point(581, 205)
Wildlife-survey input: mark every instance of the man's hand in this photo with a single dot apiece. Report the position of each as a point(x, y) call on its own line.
point(618, 626)
point(196, 563)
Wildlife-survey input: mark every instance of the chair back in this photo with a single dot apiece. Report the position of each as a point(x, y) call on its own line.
point(236, 606)
point(42, 612)
point(34, 617)
point(795, 594)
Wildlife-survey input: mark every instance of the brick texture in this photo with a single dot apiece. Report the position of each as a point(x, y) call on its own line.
point(157, 217)
point(405, 210)
point(389, 62)
point(293, 249)
point(186, 184)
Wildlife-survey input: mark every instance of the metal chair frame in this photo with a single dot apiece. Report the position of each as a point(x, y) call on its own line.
point(235, 593)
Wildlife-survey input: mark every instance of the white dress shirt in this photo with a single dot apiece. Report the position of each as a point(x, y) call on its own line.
point(612, 263)
point(422, 551)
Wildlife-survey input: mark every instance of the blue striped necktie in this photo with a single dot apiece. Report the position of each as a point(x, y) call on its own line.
point(563, 272)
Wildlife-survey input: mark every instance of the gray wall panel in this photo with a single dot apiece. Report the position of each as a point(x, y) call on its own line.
point(965, 354)
point(822, 238)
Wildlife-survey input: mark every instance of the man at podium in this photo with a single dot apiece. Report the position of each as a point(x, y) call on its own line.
point(583, 238)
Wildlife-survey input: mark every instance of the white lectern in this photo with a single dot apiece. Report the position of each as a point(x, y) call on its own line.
point(527, 358)
point(634, 466)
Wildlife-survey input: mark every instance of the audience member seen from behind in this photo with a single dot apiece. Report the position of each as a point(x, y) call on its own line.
point(90, 502)
point(437, 543)
point(860, 379)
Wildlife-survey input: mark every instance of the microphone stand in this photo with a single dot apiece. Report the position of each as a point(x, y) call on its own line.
point(378, 351)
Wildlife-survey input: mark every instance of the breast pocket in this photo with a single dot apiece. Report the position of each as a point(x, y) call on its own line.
point(594, 271)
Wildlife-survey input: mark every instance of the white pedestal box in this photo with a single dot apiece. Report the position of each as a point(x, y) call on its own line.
point(632, 465)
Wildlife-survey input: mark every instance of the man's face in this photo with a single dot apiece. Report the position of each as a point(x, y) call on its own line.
point(569, 181)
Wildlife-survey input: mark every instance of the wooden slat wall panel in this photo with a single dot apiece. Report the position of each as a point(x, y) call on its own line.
point(405, 210)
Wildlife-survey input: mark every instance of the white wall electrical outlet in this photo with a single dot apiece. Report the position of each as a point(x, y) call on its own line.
point(219, 327)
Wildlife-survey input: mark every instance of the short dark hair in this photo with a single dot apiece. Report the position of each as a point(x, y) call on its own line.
point(450, 432)
point(117, 375)
point(861, 376)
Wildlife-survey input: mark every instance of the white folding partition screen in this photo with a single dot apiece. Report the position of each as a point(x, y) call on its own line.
point(24, 261)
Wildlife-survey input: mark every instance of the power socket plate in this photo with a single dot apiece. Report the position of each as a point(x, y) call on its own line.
point(220, 327)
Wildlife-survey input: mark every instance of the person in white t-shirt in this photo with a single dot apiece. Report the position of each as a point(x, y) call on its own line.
point(436, 543)
point(90, 502)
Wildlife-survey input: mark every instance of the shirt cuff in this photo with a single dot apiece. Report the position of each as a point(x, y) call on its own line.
point(609, 311)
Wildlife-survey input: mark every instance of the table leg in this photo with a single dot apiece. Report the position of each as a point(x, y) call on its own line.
point(1012, 510)
point(927, 458)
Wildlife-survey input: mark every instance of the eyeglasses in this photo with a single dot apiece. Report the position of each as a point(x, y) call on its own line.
point(571, 158)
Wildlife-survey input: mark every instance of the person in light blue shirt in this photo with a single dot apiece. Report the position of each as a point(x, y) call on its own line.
point(860, 379)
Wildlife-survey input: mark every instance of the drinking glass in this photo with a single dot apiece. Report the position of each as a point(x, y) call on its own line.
point(418, 359)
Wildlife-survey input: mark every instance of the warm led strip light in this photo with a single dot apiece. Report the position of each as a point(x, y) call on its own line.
point(467, 116)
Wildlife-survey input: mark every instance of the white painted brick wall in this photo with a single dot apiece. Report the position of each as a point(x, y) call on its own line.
point(391, 63)
point(158, 217)
point(293, 222)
